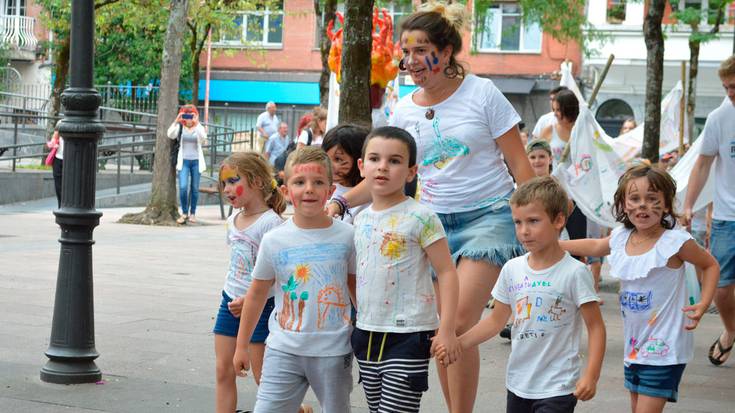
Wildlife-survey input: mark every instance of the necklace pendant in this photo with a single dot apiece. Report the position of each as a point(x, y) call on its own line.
point(429, 114)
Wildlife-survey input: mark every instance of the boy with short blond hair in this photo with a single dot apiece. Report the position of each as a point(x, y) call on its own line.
point(310, 262)
point(550, 293)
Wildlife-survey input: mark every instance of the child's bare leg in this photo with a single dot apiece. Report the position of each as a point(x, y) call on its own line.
point(596, 268)
point(633, 401)
point(648, 404)
point(476, 280)
point(257, 351)
point(225, 387)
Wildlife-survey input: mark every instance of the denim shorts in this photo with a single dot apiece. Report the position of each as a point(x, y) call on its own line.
point(485, 234)
point(723, 249)
point(227, 324)
point(654, 381)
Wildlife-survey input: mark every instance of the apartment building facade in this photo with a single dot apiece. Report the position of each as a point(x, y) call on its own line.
point(274, 56)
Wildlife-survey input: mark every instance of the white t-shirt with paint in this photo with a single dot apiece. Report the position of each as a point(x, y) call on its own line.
point(460, 166)
point(719, 141)
point(651, 298)
point(310, 268)
point(244, 249)
point(544, 359)
point(394, 289)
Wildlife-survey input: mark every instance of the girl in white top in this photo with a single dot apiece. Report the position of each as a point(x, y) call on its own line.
point(247, 183)
point(647, 255)
point(566, 109)
point(317, 127)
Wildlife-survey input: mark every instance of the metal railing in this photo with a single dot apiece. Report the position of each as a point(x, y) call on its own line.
point(17, 31)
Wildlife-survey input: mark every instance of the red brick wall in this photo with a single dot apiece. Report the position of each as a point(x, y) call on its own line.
point(299, 52)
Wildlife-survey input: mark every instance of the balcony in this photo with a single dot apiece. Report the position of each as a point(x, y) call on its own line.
point(16, 33)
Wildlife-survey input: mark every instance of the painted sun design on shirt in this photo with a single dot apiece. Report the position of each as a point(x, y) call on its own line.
point(302, 273)
point(444, 149)
point(393, 245)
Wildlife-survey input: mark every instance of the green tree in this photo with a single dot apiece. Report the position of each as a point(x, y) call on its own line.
point(695, 17)
point(161, 209)
point(354, 102)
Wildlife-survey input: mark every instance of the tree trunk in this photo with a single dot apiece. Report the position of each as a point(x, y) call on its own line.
point(354, 105)
point(162, 208)
point(61, 58)
point(654, 40)
point(330, 8)
point(195, 54)
point(692, 86)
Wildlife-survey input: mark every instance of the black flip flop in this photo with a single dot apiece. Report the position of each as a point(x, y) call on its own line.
point(723, 352)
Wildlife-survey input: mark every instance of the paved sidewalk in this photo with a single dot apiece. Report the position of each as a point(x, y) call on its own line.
point(156, 294)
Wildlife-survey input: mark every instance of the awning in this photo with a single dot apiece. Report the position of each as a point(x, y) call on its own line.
point(254, 91)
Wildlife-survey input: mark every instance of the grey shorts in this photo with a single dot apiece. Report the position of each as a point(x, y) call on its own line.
point(286, 377)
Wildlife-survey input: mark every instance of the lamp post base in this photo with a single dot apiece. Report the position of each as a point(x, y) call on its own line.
point(71, 372)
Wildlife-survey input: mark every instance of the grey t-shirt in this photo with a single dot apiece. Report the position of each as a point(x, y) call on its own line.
point(189, 144)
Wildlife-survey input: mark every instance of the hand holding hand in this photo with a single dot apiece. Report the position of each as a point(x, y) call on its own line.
point(694, 313)
point(235, 306)
point(241, 361)
point(446, 348)
point(585, 389)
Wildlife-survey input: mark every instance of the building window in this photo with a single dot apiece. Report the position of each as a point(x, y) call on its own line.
point(615, 11)
point(504, 31)
point(15, 7)
point(262, 27)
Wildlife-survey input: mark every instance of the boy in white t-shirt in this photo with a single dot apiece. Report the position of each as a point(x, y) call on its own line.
point(550, 293)
point(310, 262)
point(396, 239)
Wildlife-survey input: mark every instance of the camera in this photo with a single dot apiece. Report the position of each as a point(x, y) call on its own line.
point(187, 116)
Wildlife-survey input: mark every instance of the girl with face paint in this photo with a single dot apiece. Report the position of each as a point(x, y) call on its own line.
point(647, 255)
point(247, 183)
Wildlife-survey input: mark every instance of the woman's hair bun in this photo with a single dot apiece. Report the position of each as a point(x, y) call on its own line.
point(454, 13)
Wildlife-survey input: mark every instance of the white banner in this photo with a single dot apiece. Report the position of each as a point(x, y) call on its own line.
point(596, 161)
point(333, 102)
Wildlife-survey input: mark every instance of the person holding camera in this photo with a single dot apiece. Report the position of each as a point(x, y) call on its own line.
point(190, 159)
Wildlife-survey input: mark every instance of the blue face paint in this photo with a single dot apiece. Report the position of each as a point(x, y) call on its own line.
point(436, 59)
point(428, 63)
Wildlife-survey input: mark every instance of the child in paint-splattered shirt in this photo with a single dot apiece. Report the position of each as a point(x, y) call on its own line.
point(309, 260)
point(396, 240)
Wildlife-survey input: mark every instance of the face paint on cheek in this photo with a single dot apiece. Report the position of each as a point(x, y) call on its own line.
point(239, 190)
point(435, 60)
point(428, 63)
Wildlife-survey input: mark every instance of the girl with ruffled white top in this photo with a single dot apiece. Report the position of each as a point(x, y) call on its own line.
point(647, 255)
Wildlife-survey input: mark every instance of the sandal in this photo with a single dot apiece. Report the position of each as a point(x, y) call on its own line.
point(305, 408)
point(181, 220)
point(192, 219)
point(724, 352)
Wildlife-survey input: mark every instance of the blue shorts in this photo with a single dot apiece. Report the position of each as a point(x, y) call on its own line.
point(228, 325)
point(654, 381)
point(485, 234)
point(723, 249)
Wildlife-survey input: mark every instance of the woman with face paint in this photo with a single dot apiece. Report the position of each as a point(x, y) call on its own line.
point(463, 127)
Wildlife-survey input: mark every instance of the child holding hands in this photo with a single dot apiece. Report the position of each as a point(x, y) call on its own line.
point(247, 183)
point(647, 255)
point(550, 294)
point(396, 240)
point(310, 259)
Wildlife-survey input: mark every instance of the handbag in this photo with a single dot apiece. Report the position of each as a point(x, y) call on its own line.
point(175, 147)
point(51, 156)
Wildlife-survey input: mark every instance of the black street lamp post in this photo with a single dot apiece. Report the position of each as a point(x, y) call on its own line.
point(71, 351)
